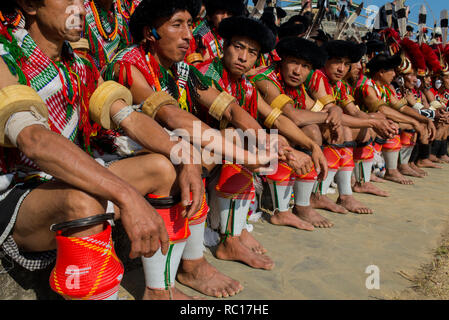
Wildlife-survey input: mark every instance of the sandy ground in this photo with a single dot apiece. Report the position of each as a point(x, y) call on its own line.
point(406, 240)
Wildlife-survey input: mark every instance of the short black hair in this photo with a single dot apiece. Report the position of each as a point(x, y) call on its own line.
point(235, 7)
point(383, 61)
point(149, 11)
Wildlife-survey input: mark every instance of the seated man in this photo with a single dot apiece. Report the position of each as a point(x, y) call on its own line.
point(375, 94)
point(54, 186)
point(288, 77)
point(210, 44)
point(175, 93)
point(245, 39)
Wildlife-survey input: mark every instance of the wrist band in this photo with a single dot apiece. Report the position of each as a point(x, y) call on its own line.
point(156, 101)
point(102, 100)
point(274, 114)
point(220, 105)
point(280, 101)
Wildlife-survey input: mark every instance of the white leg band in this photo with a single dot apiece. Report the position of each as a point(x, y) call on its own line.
point(280, 195)
point(391, 159)
point(233, 215)
point(160, 271)
point(343, 179)
point(362, 171)
point(303, 191)
point(405, 154)
point(194, 244)
point(327, 182)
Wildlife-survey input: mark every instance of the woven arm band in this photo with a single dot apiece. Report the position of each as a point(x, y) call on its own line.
point(317, 107)
point(327, 99)
point(344, 103)
point(194, 58)
point(271, 118)
point(102, 100)
point(220, 104)
point(18, 98)
point(398, 105)
point(281, 101)
point(434, 105)
point(156, 101)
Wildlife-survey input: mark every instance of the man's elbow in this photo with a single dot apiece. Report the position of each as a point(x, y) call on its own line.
point(32, 139)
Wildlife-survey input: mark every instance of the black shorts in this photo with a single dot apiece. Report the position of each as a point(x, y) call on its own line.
point(10, 202)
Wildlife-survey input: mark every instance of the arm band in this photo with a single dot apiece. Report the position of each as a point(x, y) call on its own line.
point(374, 107)
point(327, 99)
point(344, 103)
point(19, 121)
point(434, 105)
point(14, 99)
point(317, 107)
point(418, 106)
point(194, 58)
point(156, 101)
point(398, 105)
point(103, 98)
point(271, 118)
point(220, 104)
point(280, 101)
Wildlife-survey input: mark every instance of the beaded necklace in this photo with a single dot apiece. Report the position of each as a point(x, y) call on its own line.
point(108, 37)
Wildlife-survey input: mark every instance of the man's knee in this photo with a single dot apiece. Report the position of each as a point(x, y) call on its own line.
point(78, 204)
point(313, 132)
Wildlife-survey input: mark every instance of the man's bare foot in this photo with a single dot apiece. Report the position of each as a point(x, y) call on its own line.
point(434, 158)
point(368, 187)
point(350, 203)
point(395, 176)
point(417, 169)
point(444, 158)
point(310, 215)
point(287, 218)
point(233, 249)
point(201, 276)
point(319, 201)
point(249, 241)
point(162, 294)
point(375, 178)
point(426, 163)
point(406, 170)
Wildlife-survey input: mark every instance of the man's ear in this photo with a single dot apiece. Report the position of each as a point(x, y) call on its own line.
point(150, 34)
point(29, 7)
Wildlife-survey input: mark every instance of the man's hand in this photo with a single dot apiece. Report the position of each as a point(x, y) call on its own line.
point(320, 163)
point(192, 188)
point(299, 161)
point(387, 129)
point(144, 227)
point(334, 117)
point(431, 129)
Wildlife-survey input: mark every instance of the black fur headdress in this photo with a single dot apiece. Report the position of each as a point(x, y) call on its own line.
point(303, 49)
point(342, 48)
point(248, 27)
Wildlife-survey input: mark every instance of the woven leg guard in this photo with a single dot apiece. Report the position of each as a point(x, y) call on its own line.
point(87, 268)
point(170, 210)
